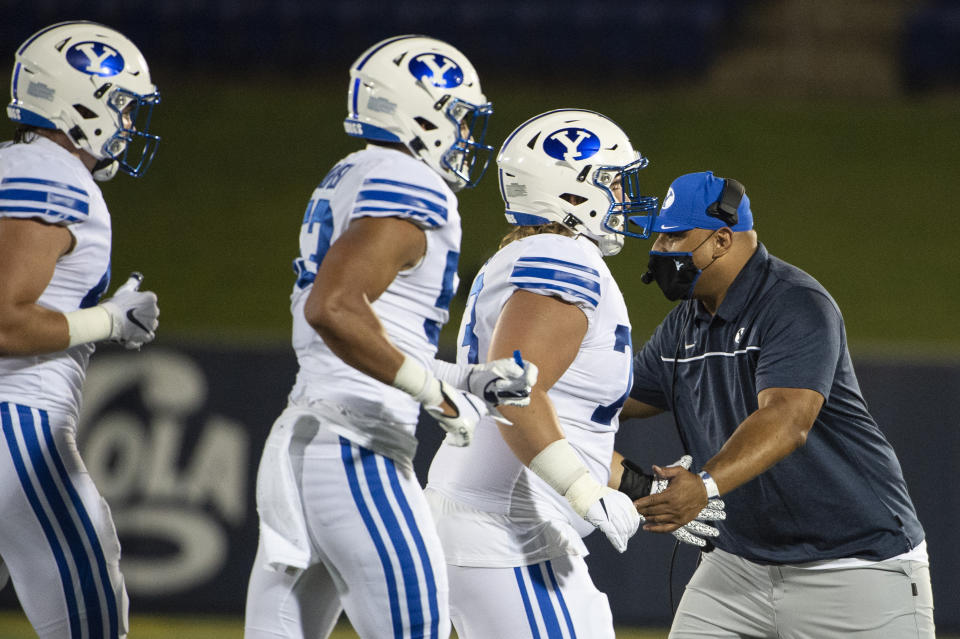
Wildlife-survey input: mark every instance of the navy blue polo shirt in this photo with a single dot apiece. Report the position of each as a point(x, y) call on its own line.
point(842, 494)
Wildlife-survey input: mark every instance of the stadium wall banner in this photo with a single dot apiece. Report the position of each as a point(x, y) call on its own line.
point(172, 437)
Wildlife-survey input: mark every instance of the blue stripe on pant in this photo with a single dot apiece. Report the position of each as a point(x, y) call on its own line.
point(56, 514)
point(421, 547)
point(350, 454)
point(98, 558)
point(58, 554)
point(544, 603)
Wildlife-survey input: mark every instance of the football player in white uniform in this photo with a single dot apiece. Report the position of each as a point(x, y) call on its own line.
point(82, 97)
point(344, 524)
point(511, 509)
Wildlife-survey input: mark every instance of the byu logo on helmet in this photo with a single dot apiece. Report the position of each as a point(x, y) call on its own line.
point(437, 70)
point(571, 144)
point(95, 58)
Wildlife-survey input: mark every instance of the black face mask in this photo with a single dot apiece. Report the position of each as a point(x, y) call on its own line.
point(675, 273)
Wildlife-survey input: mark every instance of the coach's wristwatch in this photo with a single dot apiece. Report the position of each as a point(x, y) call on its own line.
point(709, 484)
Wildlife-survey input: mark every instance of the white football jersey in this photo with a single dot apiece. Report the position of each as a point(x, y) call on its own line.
point(42, 180)
point(487, 476)
point(378, 182)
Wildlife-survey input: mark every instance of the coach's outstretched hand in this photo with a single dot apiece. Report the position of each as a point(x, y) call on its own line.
point(636, 484)
point(133, 314)
point(457, 412)
point(695, 533)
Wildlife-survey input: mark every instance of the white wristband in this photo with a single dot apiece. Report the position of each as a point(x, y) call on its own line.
point(560, 466)
point(709, 484)
point(89, 325)
point(413, 378)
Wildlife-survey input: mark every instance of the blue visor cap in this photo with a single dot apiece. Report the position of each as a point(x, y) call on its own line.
point(686, 203)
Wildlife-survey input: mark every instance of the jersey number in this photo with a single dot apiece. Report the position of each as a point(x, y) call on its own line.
point(469, 335)
point(431, 328)
point(605, 414)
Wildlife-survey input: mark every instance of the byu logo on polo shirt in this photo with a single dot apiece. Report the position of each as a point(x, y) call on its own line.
point(571, 144)
point(95, 58)
point(437, 70)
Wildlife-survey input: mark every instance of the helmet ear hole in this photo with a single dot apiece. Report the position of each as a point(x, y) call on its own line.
point(425, 124)
point(574, 199)
point(85, 112)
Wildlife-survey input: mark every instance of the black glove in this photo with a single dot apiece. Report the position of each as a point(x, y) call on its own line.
point(634, 483)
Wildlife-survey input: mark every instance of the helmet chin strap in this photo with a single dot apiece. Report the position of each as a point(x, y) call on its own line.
point(105, 169)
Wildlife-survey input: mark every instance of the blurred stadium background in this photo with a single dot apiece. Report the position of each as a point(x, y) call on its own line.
point(842, 118)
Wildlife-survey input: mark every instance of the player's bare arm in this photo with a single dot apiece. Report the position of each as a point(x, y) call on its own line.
point(29, 250)
point(616, 471)
point(548, 331)
point(634, 409)
point(356, 270)
point(777, 428)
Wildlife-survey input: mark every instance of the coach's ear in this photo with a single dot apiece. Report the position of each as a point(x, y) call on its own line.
point(723, 241)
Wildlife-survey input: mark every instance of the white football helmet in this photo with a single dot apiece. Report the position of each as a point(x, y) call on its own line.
point(424, 94)
point(559, 167)
point(93, 84)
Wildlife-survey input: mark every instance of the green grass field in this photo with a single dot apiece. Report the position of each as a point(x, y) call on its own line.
point(14, 626)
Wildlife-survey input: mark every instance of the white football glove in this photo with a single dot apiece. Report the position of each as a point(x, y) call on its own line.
point(502, 382)
point(615, 516)
point(133, 314)
point(507, 381)
point(609, 510)
point(468, 411)
point(695, 533)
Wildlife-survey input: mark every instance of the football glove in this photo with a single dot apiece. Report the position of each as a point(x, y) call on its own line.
point(468, 410)
point(502, 382)
point(635, 483)
point(614, 514)
point(133, 314)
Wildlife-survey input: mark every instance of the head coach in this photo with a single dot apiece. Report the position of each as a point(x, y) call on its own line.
point(821, 538)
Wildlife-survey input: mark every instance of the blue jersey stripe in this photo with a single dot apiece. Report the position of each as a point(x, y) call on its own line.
point(59, 185)
point(37, 211)
point(551, 260)
point(553, 275)
point(421, 548)
point(420, 216)
point(408, 567)
point(61, 514)
point(546, 604)
point(563, 604)
point(92, 539)
point(56, 199)
point(556, 287)
point(528, 608)
point(406, 199)
point(58, 555)
point(405, 185)
point(346, 454)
